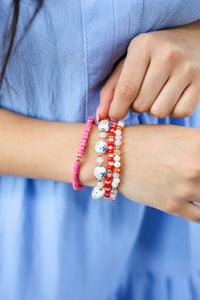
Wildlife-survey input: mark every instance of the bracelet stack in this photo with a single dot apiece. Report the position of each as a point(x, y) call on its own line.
point(107, 180)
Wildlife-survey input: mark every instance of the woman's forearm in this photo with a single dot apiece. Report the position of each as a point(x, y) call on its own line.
point(43, 149)
point(159, 167)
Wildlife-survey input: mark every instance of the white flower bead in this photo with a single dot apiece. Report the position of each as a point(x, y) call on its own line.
point(117, 158)
point(99, 172)
point(101, 147)
point(104, 125)
point(121, 123)
point(114, 184)
point(97, 193)
point(118, 132)
point(117, 164)
point(116, 180)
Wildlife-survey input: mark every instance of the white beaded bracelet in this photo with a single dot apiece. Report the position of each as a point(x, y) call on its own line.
point(117, 163)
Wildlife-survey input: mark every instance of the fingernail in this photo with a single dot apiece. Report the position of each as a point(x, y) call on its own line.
point(113, 120)
point(97, 114)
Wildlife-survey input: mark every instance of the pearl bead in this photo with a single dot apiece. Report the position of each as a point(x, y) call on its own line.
point(118, 132)
point(118, 137)
point(118, 143)
point(99, 160)
point(117, 164)
point(101, 147)
point(104, 125)
point(97, 193)
point(99, 172)
point(112, 197)
point(117, 158)
point(116, 180)
point(115, 175)
point(113, 192)
point(100, 184)
point(115, 184)
point(102, 135)
point(121, 123)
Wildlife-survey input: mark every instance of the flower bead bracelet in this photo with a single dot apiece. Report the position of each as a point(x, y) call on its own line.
point(100, 147)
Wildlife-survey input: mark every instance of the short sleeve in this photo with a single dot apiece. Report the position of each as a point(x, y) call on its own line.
point(161, 14)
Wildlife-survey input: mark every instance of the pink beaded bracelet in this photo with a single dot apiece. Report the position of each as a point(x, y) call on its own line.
point(76, 166)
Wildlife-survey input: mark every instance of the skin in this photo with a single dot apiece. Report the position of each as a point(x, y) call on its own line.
point(155, 169)
point(160, 74)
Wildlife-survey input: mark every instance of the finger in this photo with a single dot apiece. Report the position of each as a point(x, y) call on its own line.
point(191, 211)
point(169, 95)
point(188, 102)
point(130, 80)
point(152, 84)
point(107, 92)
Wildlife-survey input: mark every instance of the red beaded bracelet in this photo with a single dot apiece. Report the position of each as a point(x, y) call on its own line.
point(76, 166)
point(110, 159)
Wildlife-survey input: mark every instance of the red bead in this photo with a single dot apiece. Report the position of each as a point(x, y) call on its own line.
point(110, 158)
point(108, 178)
point(110, 167)
point(110, 150)
point(106, 196)
point(107, 185)
point(107, 192)
point(110, 142)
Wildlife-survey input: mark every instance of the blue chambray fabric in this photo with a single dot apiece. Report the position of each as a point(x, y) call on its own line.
point(58, 244)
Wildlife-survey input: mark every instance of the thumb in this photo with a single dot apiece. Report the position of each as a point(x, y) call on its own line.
point(107, 92)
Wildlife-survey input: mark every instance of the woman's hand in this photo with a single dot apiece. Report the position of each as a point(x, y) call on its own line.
point(160, 75)
point(161, 168)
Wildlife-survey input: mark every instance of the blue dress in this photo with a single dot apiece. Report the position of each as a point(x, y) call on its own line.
point(58, 244)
